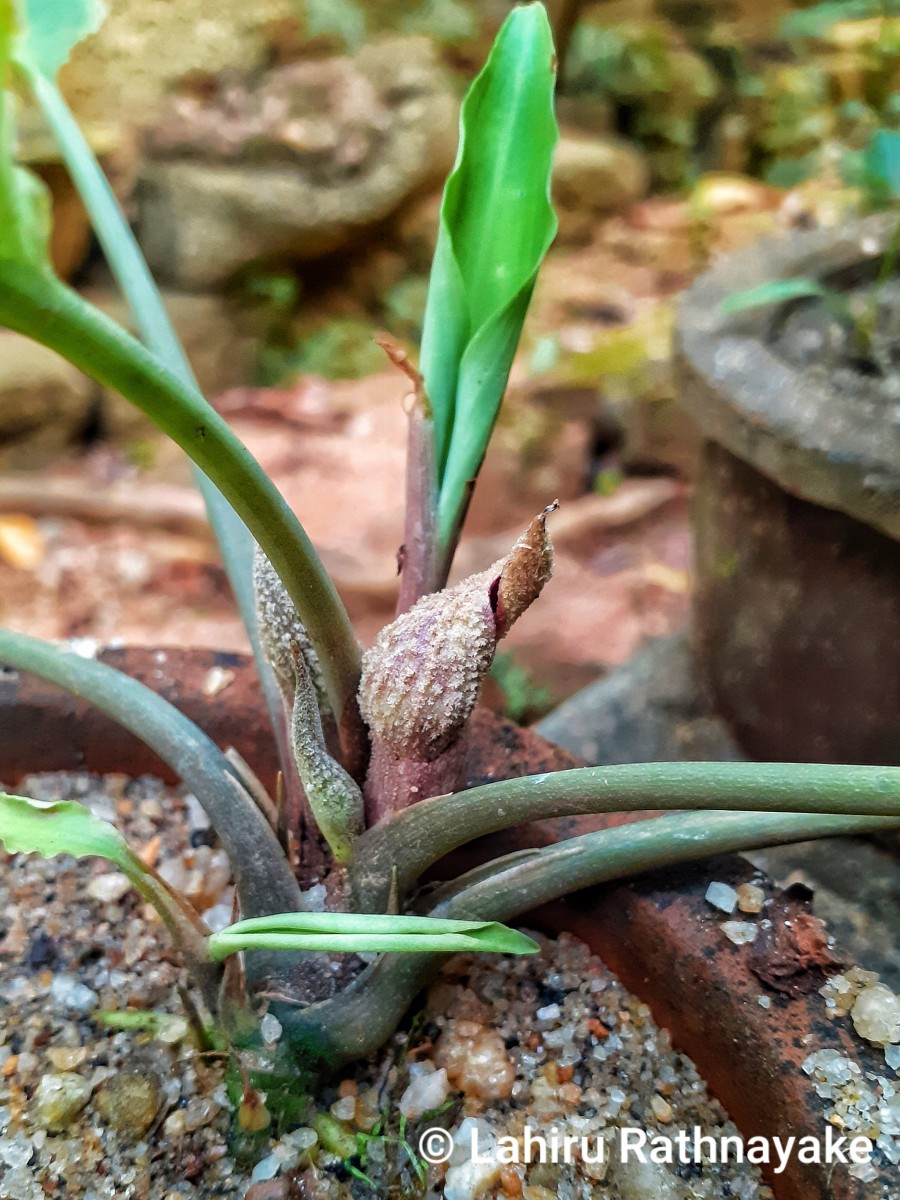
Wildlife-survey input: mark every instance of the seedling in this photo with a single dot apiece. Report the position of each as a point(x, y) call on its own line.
point(372, 747)
point(859, 319)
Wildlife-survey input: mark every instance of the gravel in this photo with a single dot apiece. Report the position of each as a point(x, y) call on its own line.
point(90, 1112)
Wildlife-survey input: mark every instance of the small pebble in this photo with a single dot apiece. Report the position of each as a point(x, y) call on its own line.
point(344, 1109)
point(266, 1168)
point(270, 1028)
point(59, 1099)
point(129, 1101)
point(892, 1057)
point(174, 1126)
point(108, 888)
point(742, 933)
point(876, 1015)
point(722, 896)
point(64, 1058)
point(750, 898)
point(425, 1093)
point(662, 1109)
point(69, 993)
point(476, 1060)
point(765, 1002)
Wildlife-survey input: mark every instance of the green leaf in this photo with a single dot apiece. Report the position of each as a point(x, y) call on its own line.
point(133, 276)
point(52, 28)
point(497, 223)
point(44, 309)
point(881, 166)
point(152, 1021)
point(61, 827)
point(24, 201)
point(774, 291)
point(367, 933)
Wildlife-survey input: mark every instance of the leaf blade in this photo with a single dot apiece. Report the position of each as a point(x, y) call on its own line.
point(52, 28)
point(497, 222)
point(773, 291)
point(61, 827)
point(367, 933)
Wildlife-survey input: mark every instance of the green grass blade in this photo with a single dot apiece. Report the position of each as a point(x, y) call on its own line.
point(361, 933)
point(263, 876)
point(497, 223)
point(44, 309)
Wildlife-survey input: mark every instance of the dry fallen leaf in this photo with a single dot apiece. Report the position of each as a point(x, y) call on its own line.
point(22, 543)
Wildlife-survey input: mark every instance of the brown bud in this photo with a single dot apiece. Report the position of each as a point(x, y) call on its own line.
point(524, 572)
point(421, 678)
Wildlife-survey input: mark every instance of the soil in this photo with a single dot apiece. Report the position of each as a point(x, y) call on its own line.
point(140, 1114)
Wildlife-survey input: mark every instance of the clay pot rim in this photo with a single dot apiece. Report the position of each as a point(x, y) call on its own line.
point(772, 415)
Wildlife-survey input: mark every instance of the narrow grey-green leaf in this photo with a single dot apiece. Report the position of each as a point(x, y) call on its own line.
point(497, 223)
point(264, 878)
point(367, 933)
point(773, 291)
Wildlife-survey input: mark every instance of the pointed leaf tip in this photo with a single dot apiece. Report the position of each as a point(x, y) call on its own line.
point(497, 223)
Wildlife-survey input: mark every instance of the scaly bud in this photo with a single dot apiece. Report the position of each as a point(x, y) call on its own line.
point(421, 678)
point(281, 632)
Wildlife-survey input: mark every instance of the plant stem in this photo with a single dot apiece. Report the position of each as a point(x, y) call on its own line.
point(365, 1014)
point(414, 839)
point(133, 276)
point(264, 880)
point(419, 569)
point(42, 308)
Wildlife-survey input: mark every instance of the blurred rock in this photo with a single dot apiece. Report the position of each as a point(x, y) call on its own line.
point(45, 403)
point(592, 176)
point(125, 72)
point(650, 709)
point(295, 165)
point(220, 337)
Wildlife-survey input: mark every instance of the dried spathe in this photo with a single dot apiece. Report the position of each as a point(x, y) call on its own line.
point(421, 678)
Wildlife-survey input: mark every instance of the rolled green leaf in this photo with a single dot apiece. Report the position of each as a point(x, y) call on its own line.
point(496, 225)
point(358, 933)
